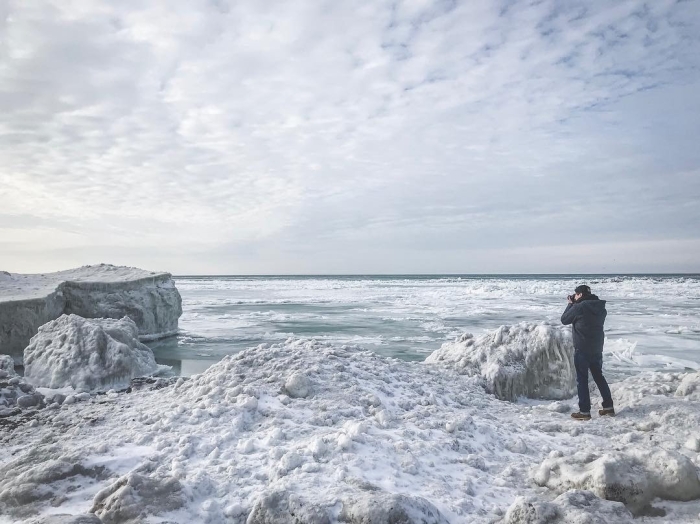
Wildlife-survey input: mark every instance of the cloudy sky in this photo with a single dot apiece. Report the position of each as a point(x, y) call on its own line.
point(364, 136)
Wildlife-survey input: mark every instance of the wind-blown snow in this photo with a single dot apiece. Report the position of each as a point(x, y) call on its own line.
point(87, 354)
point(370, 434)
point(150, 299)
point(531, 360)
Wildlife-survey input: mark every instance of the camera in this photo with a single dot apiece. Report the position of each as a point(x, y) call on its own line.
point(571, 297)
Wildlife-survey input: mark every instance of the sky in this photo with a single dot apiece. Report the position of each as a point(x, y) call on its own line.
point(372, 136)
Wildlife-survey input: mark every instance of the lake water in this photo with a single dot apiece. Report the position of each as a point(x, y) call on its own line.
point(653, 321)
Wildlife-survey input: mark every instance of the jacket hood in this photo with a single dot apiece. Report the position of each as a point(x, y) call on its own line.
point(593, 304)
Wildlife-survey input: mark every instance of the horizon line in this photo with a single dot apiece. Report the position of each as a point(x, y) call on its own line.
point(263, 275)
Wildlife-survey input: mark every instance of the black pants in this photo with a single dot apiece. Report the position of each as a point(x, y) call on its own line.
point(583, 363)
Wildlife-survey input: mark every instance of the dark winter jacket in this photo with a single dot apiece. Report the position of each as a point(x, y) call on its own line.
point(586, 318)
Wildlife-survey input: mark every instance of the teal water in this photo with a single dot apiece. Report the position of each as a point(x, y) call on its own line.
point(409, 316)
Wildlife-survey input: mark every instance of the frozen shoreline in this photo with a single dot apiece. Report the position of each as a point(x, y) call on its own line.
point(335, 430)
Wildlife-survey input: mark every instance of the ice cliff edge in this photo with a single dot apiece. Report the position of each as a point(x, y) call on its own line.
point(149, 298)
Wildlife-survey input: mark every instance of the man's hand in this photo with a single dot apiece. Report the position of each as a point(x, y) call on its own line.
point(570, 298)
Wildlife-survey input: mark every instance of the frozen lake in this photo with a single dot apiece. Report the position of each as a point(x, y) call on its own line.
point(653, 321)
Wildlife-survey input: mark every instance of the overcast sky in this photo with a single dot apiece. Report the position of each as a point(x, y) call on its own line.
point(257, 136)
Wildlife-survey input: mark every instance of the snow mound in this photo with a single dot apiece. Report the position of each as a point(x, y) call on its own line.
point(531, 360)
point(572, 507)
point(87, 354)
point(690, 385)
point(634, 478)
point(150, 299)
point(282, 507)
point(389, 507)
point(134, 495)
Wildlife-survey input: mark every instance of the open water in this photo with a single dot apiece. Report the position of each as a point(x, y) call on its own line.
point(653, 320)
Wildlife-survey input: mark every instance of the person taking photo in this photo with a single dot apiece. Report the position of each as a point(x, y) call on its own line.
point(586, 314)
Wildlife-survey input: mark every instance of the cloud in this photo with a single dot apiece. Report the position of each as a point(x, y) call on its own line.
point(223, 136)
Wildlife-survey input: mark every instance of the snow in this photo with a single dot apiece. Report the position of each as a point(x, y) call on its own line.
point(87, 354)
point(28, 301)
point(373, 440)
point(530, 360)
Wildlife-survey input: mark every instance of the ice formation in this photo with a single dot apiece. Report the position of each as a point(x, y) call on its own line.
point(575, 506)
point(634, 477)
point(372, 440)
point(87, 353)
point(16, 394)
point(29, 301)
point(531, 360)
point(7, 366)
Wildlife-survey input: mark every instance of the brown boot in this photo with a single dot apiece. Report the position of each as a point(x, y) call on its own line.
point(606, 412)
point(581, 416)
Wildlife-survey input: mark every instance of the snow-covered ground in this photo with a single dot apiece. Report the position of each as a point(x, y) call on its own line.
point(150, 299)
point(304, 431)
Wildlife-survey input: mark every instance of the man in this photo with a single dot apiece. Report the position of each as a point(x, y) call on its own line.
point(586, 313)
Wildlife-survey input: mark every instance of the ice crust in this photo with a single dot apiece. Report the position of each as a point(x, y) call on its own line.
point(529, 360)
point(28, 301)
point(373, 440)
point(87, 354)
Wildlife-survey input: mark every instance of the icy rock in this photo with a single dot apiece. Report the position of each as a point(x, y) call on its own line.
point(7, 366)
point(634, 478)
point(281, 507)
point(134, 495)
point(571, 507)
point(150, 299)
point(532, 360)
point(298, 385)
point(30, 401)
point(379, 508)
point(86, 354)
point(16, 392)
point(690, 385)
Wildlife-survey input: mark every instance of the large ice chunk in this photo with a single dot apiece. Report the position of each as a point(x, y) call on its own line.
point(532, 360)
point(634, 478)
point(87, 353)
point(570, 507)
point(149, 298)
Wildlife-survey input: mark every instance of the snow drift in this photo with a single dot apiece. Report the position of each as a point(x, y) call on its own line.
point(87, 353)
point(150, 299)
point(531, 360)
